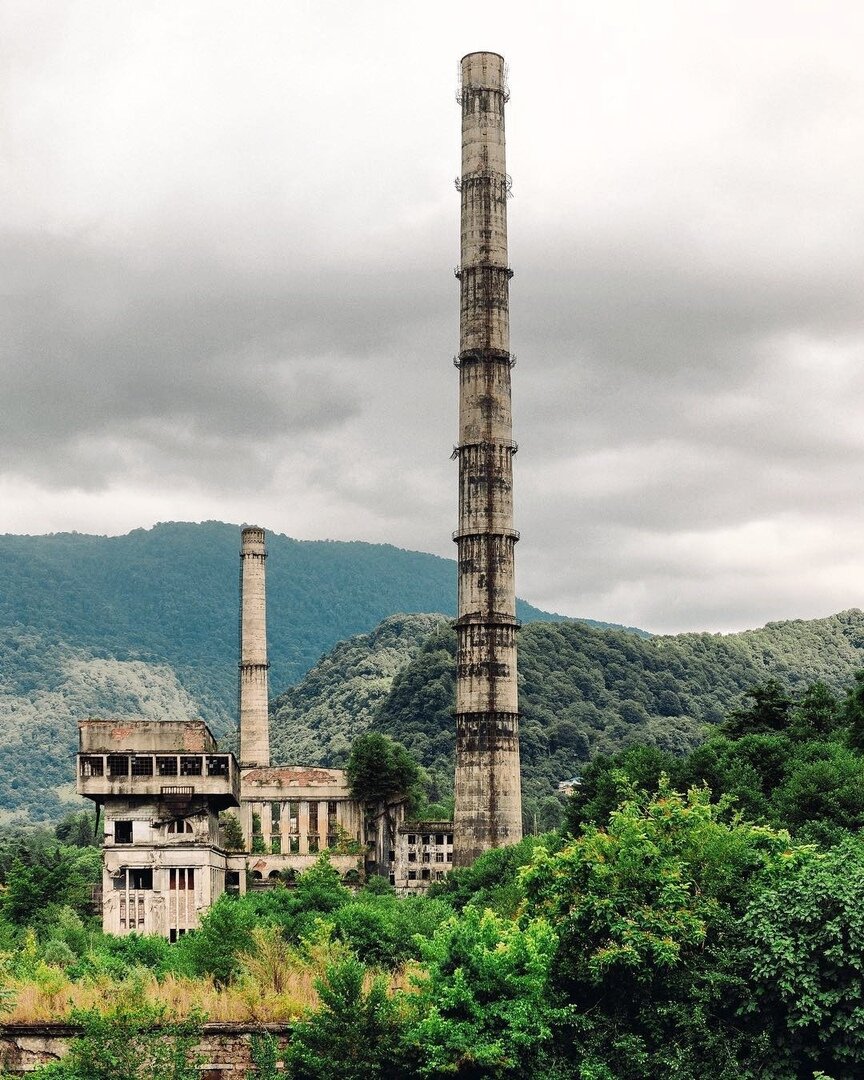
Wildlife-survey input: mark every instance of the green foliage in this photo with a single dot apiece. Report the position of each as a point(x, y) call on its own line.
point(232, 831)
point(135, 1041)
point(647, 970)
point(802, 775)
point(265, 1056)
point(41, 877)
point(225, 932)
point(381, 770)
point(805, 950)
point(482, 1008)
point(493, 880)
point(356, 1032)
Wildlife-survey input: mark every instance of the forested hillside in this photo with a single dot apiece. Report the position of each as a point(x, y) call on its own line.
point(586, 691)
point(146, 624)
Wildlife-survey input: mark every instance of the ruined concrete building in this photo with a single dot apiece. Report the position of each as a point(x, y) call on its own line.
point(488, 785)
point(163, 785)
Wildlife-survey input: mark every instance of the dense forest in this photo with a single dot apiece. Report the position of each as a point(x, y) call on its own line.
point(583, 692)
point(698, 914)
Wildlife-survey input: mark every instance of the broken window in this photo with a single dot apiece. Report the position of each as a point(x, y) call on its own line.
point(412, 838)
point(293, 817)
point(276, 845)
point(332, 840)
point(439, 838)
point(450, 838)
point(140, 878)
point(294, 845)
point(174, 933)
point(142, 766)
point(118, 765)
point(449, 856)
point(217, 766)
point(391, 855)
point(439, 856)
point(275, 815)
point(190, 766)
point(313, 844)
point(92, 766)
point(426, 839)
point(412, 875)
point(232, 881)
point(179, 825)
point(425, 875)
point(166, 766)
point(313, 817)
point(425, 856)
point(412, 856)
point(122, 832)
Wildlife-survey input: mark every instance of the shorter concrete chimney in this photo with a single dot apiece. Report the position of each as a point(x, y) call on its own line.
point(254, 721)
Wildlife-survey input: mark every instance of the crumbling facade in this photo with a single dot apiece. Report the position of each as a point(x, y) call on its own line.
point(162, 786)
point(488, 809)
point(422, 854)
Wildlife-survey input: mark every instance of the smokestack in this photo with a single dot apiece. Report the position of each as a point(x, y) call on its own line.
point(488, 784)
point(254, 722)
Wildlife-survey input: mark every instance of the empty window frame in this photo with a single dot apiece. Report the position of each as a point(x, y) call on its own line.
point(313, 844)
point(142, 766)
point(92, 766)
point(166, 766)
point(275, 815)
point(439, 838)
point(412, 856)
point(412, 838)
point(191, 766)
point(180, 826)
point(313, 817)
point(118, 765)
point(426, 838)
point(181, 878)
point(217, 765)
point(439, 856)
point(140, 878)
point(122, 832)
point(294, 845)
point(450, 838)
point(426, 857)
point(293, 817)
point(276, 845)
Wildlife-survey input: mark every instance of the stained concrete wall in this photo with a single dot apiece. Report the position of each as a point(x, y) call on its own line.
point(488, 810)
point(254, 721)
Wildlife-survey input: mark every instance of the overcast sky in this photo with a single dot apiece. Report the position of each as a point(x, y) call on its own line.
point(226, 284)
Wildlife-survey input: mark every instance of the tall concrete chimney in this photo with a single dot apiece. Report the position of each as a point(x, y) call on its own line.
point(488, 784)
point(254, 722)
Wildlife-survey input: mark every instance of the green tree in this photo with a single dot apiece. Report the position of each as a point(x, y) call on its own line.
point(768, 712)
point(647, 970)
point(381, 770)
point(805, 951)
point(356, 1033)
point(482, 1006)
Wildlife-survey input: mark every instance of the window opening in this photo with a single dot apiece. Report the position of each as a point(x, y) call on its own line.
point(122, 832)
point(92, 766)
point(142, 766)
point(217, 766)
point(190, 766)
point(166, 766)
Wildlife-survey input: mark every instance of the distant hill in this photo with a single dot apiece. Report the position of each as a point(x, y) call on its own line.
point(115, 625)
point(582, 691)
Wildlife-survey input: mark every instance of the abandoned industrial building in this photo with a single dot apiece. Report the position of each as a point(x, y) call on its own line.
point(162, 787)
